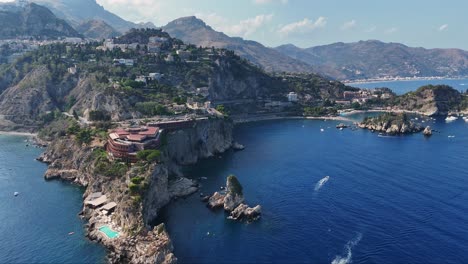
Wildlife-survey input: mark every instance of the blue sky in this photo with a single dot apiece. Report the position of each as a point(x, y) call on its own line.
point(305, 23)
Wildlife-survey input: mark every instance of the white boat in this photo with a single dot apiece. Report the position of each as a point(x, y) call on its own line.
point(321, 130)
point(16, 193)
point(465, 118)
point(451, 118)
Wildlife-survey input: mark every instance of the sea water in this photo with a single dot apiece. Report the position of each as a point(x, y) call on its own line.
point(401, 199)
point(35, 225)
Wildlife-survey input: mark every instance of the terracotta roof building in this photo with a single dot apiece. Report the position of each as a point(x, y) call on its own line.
point(125, 143)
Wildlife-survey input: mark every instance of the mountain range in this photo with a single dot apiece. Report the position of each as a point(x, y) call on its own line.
point(32, 20)
point(78, 11)
point(371, 59)
point(195, 31)
point(376, 59)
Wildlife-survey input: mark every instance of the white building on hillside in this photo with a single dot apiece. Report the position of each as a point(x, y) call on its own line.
point(292, 97)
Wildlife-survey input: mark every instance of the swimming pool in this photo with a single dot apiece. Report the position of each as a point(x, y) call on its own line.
point(109, 232)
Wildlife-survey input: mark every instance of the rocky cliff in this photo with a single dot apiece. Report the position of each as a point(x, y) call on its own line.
point(391, 124)
point(185, 147)
point(138, 206)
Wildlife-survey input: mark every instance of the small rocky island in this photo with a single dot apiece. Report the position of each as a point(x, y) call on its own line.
point(391, 124)
point(233, 202)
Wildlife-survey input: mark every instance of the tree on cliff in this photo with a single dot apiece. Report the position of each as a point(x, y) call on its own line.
point(233, 185)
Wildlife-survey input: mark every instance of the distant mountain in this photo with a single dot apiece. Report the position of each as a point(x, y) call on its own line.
point(376, 59)
point(32, 20)
point(97, 29)
point(195, 31)
point(79, 11)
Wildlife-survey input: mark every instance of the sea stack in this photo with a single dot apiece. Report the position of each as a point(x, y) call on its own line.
point(427, 131)
point(233, 202)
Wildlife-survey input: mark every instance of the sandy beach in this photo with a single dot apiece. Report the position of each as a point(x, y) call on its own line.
point(14, 133)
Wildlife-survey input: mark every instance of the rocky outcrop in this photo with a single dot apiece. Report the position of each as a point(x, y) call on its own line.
point(233, 202)
point(427, 131)
point(243, 211)
point(216, 200)
point(392, 124)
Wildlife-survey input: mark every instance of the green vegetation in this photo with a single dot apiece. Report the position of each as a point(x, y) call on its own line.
point(234, 185)
point(319, 111)
point(151, 108)
point(149, 155)
point(103, 166)
point(388, 118)
point(97, 115)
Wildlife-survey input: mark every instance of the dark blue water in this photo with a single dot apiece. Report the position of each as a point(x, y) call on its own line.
point(34, 226)
point(388, 200)
point(401, 87)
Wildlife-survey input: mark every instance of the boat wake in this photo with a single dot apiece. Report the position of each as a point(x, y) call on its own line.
point(321, 183)
point(348, 248)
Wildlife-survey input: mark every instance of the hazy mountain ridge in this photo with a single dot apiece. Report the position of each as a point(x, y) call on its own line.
point(97, 29)
point(79, 11)
point(376, 59)
point(32, 20)
point(195, 31)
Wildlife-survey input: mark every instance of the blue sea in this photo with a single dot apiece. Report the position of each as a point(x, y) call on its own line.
point(401, 87)
point(34, 225)
point(387, 200)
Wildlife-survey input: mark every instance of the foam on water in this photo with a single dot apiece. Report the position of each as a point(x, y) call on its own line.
point(321, 183)
point(348, 248)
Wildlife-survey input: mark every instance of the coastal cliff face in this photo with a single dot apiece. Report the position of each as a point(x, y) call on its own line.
point(134, 213)
point(184, 147)
point(205, 139)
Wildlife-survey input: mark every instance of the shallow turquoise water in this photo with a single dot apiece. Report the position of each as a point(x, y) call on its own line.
point(34, 226)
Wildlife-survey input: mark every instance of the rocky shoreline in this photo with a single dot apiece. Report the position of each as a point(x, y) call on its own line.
point(232, 200)
point(391, 124)
point(136, 240)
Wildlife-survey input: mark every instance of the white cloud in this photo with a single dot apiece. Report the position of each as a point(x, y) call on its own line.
point(263, 2)
point(391, 30)
point(349, 25)
point(303, 26)
point(243, 28)
point(443, 27)
point(371, 29)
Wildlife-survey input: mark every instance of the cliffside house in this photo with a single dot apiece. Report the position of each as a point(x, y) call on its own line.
point(125, 143)
point(126, 62)
point(292, 97)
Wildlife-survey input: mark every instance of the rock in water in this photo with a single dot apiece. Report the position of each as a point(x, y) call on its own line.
point(237, 146)
point(427, 131)
point(232, 200)
point(243, 211)
point(234, 196)
point(216, 200)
